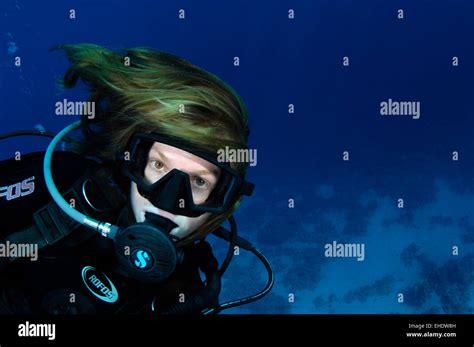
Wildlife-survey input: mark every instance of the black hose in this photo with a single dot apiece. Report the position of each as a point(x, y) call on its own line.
point(225, 234)
point(232, 244)
point(259, 295)
point(33, 133)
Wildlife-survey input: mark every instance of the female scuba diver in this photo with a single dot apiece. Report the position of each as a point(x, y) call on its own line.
point(133, 198)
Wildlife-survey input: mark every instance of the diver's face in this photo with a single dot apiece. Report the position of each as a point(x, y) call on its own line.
point(203, 175)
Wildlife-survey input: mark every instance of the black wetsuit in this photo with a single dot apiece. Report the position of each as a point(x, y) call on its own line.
point(54, 283)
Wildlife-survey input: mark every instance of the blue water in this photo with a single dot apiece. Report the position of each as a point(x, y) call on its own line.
point(408, 250)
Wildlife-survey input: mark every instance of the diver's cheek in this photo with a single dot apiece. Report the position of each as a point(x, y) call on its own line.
point(138, 203)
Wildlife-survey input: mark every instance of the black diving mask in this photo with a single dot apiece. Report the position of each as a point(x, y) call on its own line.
point(156, 165)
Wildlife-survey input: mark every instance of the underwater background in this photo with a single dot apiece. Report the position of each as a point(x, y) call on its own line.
point(299, 61)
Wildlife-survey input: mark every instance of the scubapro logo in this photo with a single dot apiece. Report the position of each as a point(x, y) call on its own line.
point(99, 284)
point(142, 259)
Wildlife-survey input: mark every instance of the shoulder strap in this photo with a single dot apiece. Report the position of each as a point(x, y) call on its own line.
point(51, 224)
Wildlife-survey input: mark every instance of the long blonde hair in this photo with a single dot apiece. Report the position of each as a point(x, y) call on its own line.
point(144, 90)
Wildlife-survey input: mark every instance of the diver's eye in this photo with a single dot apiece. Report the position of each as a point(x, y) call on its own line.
point(200, 182)
point(157, 164)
